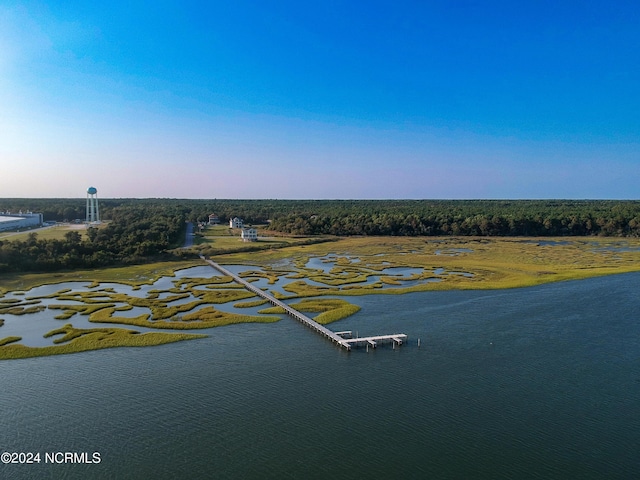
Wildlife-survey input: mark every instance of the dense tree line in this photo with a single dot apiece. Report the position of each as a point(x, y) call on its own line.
point(375, 217)
point(133, 234)
point(138, 229)
point(430, 217)
point(482, 218)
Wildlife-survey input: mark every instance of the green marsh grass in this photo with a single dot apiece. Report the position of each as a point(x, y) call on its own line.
point(270, 276)
point(70, 310)
point(255, 303)
point(223, 296)
point(133, 275)
point(330, 310)
point(76, 340)
point(189, 283)
point(207, 317)
point(211, 317)
point(8, 340)
point(20, 310)
point(494, 262)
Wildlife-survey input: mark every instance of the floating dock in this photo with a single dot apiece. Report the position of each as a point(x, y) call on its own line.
point(336, 337)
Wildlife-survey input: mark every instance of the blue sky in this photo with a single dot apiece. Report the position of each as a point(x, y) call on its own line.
point(336, 99)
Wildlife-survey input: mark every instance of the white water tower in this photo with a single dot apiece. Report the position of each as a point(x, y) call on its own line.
point(93, 214)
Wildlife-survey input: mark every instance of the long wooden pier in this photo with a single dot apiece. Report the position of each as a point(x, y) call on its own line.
point(337, 338)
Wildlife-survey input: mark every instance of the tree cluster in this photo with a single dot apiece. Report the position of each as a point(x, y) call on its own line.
point(133, 234)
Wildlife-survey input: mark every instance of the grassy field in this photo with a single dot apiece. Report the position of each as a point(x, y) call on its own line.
point(48, 233)
point(220, 239)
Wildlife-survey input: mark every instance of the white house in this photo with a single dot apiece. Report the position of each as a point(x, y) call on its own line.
point(235, 222)
point(249, 235)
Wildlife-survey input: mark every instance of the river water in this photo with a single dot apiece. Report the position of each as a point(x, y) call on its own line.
point(540, 382)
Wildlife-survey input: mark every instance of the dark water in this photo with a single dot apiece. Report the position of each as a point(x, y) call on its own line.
point(531, 383)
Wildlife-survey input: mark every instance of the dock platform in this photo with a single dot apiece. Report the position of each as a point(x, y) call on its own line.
point(396, 338)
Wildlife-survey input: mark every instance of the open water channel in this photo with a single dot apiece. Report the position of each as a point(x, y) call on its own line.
point(538, 382)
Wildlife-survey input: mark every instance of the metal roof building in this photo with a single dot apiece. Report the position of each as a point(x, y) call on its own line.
point(16, 221)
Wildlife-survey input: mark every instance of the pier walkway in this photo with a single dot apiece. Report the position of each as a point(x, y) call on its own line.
point(274, 301)
point(337, 338)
